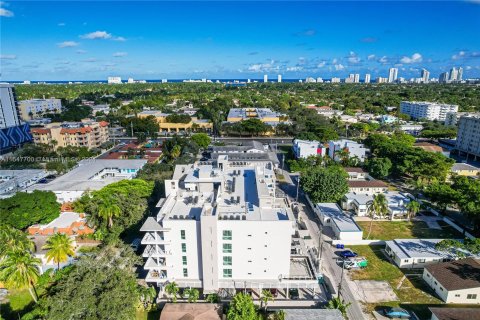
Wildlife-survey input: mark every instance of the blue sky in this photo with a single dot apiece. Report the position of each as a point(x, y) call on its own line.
point(152, 40)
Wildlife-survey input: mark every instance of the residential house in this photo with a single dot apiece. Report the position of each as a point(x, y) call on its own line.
point(370, 187)
point(343, 226)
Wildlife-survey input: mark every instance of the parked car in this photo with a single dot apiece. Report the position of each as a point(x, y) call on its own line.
point(347, 254)
point(396, 313)
point(293, 293)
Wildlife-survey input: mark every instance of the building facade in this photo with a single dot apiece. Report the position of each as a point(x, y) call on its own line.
point(427, 110)
point(265, 115)
point(221, 227)
point(468, 136)
point(168, 127)
point(86, 133)
point(13, 131)
point(37, 108)
point(353, 148)
point(306, 148)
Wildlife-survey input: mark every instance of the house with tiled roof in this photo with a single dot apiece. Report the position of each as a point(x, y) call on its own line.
point(455, 281)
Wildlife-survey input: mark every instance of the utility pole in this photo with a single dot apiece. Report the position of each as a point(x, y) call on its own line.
point(131, 127)
point(341, 277)
point(320, 248)
point(298, 186)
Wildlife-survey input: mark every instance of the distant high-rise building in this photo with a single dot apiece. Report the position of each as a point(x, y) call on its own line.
point(367, 78)
point(335, 80)
point(279, 78)
point(356, 79)
point(382, 80)
point(425, 75)
point(460, 74)
point(443, 77)
point(265, 78)
point(319, 80)
point(453, 74)
point(164, 80)
point(392, 75)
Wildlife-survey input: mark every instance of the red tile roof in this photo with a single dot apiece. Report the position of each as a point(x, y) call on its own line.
point(40, 130)
point(76, 130)
point(103, 123)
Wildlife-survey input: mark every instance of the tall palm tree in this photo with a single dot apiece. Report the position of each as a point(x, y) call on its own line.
point(338, 303)
point(20, 269)
point(377, 207)
point(413, 208)
point(172, 289)
point(108, 209)
point(193, 294)
point(60, 247)
point(12, 239)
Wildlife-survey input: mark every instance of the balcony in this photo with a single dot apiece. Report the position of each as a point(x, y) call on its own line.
point(156, 276)
point(152, 238)
point(154, 251)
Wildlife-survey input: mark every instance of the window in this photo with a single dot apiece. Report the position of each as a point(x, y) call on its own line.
point(182, 234)
point(184, 260)
point(471, 296)
point(421, 260)
point(457, 296)
point(441, 289)
point(227, 261)
point(185, 272)
point(227, 273)
point(406, 260)
point(227, 234)
point(184, 247)
point(227, 248)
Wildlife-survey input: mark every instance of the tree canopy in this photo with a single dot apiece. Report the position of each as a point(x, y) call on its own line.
point(325, 184)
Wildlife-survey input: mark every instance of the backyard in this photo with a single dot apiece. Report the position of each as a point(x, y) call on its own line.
point(389, 230)
point(410, 288)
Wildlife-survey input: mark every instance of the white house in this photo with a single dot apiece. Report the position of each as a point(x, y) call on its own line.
point(221, 227)
point(355, 173)
point(454, 313)
point(370, 187)
point(354, 149)
point(344, 227)
point(359, 203)
point(307, 148)
point(415, 253)
point(455, 281)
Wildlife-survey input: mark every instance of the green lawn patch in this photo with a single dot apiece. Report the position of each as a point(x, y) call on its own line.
point(389, 230)
point(413, 293)
point(148, 315)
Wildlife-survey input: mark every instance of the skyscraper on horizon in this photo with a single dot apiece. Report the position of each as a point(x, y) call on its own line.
point(453, 74)
point(443, 77)
point(425, 75)
point(265, 78)
point(460, 74)
point(367, 78)
point(392, 75)
point(356, 78)
point(279, 78)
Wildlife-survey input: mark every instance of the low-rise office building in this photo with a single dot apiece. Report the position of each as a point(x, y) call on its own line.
point(415, 253)
point(12, 181)
point(307, 148)
point(37, 108)
point(221, 227)
point(427, 110)
point(87, 133)
point(90, 175)
point(354, 149)
point(455, 281)
point(194, 124)
point(413, 129)
point(343, 226)
point(265, 115)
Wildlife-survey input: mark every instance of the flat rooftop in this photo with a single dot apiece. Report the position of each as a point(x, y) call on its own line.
point(343, 222)
point(416, 248)
point(93, 174)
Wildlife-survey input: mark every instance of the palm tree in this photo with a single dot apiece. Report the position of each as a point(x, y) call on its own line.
point(12, 239)
point(212, 298)
point(60, 247)
point(343, 155)
point(338, 303)
point(20, 269)
point(266, 297)
point(413, 208)
point(109, 209)
point(279, 315)
point(377, 207)
point(172, 289)
point(193, 294)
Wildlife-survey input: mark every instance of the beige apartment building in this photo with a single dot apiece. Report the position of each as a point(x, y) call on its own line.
point(86, 133)
point(37, 108)
point(165, 126)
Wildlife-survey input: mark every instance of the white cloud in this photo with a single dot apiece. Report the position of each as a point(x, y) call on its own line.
point(119, 54)
point(371, 57)
point(468, 68)
point(459, 55)
point(81, 51)
point(321, 64)
point(353, 58)
point(258, 67)
point(335, 60)
point(119, 39)
point(383, 60)
point(90, 60)
point(415, 58)
point(293, 69)
point(339, 67)
point(67, 44)
point(61, 24)
point(8, 57)
point(97, 35)
point(4, 12)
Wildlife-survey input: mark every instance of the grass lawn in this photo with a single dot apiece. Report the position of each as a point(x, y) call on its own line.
point(413, 293)
point(388, 230)
point(144, 315)
point(20, 301)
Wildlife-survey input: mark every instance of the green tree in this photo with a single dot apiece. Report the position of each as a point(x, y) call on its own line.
point(379, 167)
point(378, 207)
point(339, 304)
point(25, 209)
point(212, 298)
point(279, 315)
point(265, 298)
point(201, 139)
point(172, 290)
point(242, 308)
point(325, 184)
point(468, 197)
point(12, 239)
point(441, 194)
point(108, 209)
point(20, 269)
point(413, 208)
point(193, 294)
point(59, 247)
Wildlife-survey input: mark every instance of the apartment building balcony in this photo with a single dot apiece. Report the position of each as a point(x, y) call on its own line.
point(157, 263)
point(153, 238)
point(153, 250)
point(156, 275)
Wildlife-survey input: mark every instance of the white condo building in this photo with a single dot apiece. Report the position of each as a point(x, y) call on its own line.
point(367, 78)
point(221, 228)
point(353, 148)
point(307, 148)
point(425, 76)
point(392, 75)
point(9, 116)
point(265, 78)
point(427, 110)
point(36, 108)
point(468, 136)
point(114, 80)
point(279, 78)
